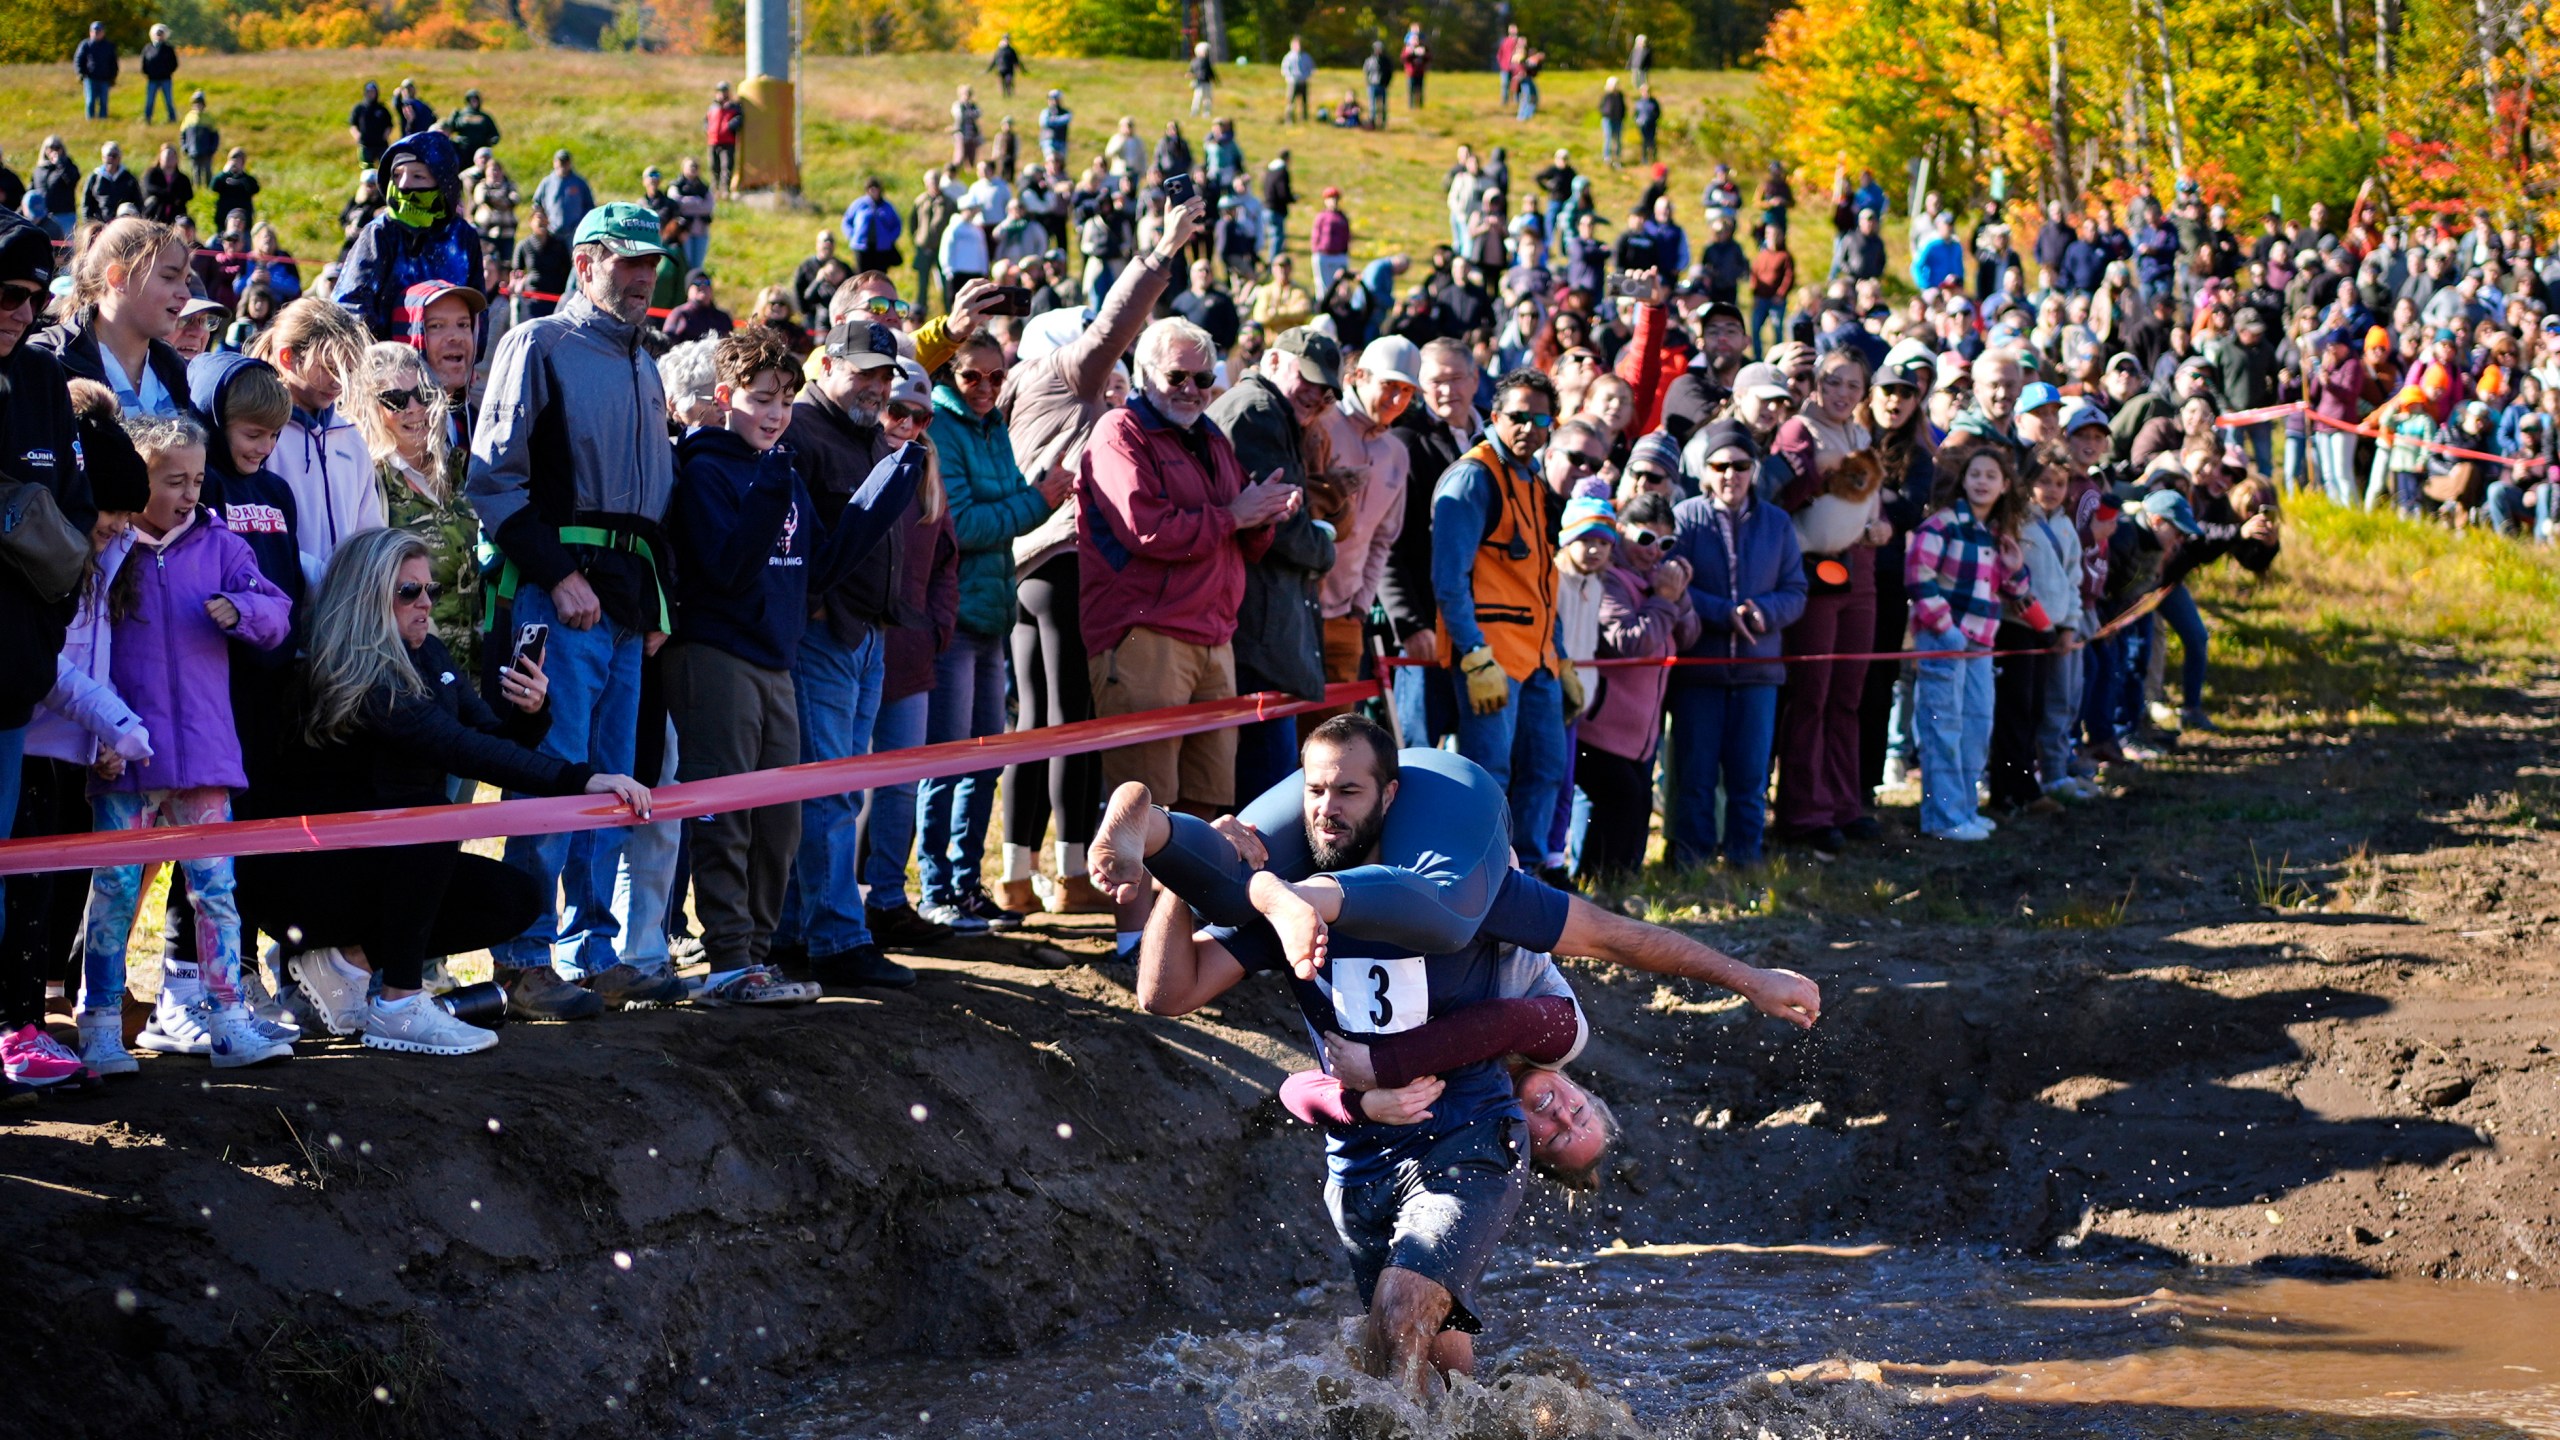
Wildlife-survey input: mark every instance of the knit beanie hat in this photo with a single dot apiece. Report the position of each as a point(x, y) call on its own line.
point(1657, 452)
point(1586, 513)
point(118, 478)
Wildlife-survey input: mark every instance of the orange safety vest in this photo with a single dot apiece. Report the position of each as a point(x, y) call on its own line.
point(1515, 573)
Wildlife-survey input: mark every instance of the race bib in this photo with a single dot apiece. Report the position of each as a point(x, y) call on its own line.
point(1379, 996)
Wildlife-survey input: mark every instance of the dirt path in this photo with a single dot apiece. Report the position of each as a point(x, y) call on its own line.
point(655, 1220)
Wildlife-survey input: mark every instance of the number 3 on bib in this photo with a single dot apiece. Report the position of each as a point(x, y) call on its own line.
point(1375, 996)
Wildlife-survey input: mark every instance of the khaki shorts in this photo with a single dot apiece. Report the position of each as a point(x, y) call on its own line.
point(1148, 670)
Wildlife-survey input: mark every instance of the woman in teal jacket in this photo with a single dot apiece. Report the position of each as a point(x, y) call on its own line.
point(991, 504)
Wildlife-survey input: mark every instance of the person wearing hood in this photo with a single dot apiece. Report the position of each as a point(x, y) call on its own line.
point(421, 235)
point(1646, 613)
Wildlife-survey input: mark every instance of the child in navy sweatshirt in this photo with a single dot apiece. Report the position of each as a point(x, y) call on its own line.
point(749, 552)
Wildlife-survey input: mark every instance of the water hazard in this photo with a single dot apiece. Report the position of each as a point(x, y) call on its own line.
point(1802, 1344)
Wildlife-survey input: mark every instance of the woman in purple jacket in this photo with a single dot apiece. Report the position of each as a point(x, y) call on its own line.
point(1645, 613)
point(188, 589)
point(1747, 585)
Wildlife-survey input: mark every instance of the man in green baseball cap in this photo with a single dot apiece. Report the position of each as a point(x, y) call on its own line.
point(616, 256)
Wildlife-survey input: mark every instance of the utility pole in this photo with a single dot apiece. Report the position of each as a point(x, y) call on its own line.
point(2057, 100)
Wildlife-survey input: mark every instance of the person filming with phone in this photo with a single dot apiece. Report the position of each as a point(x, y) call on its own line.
point(375, 718)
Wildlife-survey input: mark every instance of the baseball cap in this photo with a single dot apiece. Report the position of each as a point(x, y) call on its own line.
point(2171, 506)
point(199, 305)
point(2123, 361)
point(1762, 379)
point(868, 344)
point(1720, 310)
point(1906, 351)
point(1392, 357)
point(1319, 355)
point(418, 297)
point(698, 277)
point(1954, 369)
point(2194, 365)
point(912, 387)
point(2081, 416)
point(626, 229)
point(2038, 396)
point(1332, 192)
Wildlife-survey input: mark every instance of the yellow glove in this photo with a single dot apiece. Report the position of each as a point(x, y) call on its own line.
point(1570, 677)
point(1488, 689)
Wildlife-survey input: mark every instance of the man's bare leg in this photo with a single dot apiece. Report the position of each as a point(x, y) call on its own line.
point(1131, 830)
point(1402, 1335)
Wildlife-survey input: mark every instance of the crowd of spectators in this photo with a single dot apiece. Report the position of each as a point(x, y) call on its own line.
point(501, 495)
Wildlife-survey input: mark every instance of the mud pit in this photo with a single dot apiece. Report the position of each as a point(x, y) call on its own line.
point(2315, 1039)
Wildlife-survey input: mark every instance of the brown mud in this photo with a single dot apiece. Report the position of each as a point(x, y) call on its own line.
point(2286, 1001)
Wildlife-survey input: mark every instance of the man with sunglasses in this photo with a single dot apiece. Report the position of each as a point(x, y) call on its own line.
point(1494, 578)
point(1166, 527)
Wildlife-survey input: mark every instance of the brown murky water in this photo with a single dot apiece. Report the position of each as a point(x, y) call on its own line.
point(1681, 1341)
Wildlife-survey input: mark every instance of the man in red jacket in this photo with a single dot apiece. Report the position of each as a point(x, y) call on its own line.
point(722, 124)
point(1165, 525)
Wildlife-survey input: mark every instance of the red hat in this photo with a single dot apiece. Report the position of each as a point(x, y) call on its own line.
point(1332, 192)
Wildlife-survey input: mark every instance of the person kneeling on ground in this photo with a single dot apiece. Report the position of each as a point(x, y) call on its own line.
point(377, 717)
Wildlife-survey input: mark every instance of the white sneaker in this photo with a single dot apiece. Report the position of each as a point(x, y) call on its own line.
point(1897, 772)
point(274, 1019)
point(1971, 833)
point(420, 1026)
point(102, 1043)
point(237, 1041)
point(1985, 824)
point(335, 995)
point(176, 1028)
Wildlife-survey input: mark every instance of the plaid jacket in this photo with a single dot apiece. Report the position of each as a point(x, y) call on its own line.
point(1956, 577)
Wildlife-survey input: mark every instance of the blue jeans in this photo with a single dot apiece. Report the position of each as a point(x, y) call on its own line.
point(1613, 142)
point(94, 96)
point(952, 814)
point(2101, 676)
point(1721, 733)
point(1521, 746)
point(2334, 452)
point(1327, 267)
point(2061, 711)
point(644, 882)
point(697, 248)
point(2505, 506)
point(2261, 440)
point(595, 720)
point(1417, 695)
point(889, 813)
point(1763, 311)
point(1954, 697)
point(838, 689)
point(2179, 609)
point(158, 90)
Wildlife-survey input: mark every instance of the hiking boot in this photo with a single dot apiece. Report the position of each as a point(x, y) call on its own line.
point(998, 917)
point(32, 1058)
point(238, 1042)
point(901, 926)
point(540, 994)
point(1018, 896)
point(335, 989)
point(1864, 828)
point(420, 1026)
point(861, 965)
point(625, 985)
point(176, 1028)
point(1075, 895)
point(2196, 720)
point(102, 1043)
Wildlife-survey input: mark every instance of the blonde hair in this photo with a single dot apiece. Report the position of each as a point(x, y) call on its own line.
point(356, 649)
point(131, 242)
point(390, 365)
point(319, 333)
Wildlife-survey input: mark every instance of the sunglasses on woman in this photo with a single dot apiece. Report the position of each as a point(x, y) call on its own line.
point(411, 592)
point(908, 414)
point(18, 293)
point(398, 400)
point(1649, 540)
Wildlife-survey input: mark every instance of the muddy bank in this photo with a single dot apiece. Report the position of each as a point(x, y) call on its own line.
point(2105, 1036)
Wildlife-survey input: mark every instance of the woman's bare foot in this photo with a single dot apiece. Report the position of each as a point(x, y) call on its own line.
point(1117, 858)
point(1303, 933)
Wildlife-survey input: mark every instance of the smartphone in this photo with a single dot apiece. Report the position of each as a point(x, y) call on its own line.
point(532, 639)
point(1013, 300)
point(1178, 190)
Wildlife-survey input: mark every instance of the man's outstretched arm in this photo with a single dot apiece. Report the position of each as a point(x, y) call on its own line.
point(1177, 971)
point(1606, 935)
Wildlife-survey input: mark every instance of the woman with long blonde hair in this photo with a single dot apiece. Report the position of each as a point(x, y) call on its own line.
point(381, 716)
point(405, 421)
point(114, 327)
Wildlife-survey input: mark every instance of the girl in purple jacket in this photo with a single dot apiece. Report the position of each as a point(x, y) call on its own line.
point(188, 588)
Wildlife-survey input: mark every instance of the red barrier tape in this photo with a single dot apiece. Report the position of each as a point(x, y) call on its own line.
point(1666, 662)
point(433, 824)
point(2370, 432)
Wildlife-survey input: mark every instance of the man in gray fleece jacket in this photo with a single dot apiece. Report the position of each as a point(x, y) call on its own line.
point(571, 474)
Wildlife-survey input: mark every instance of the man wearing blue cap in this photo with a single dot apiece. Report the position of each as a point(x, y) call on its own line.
point(571, 475)
point(2039, 416)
